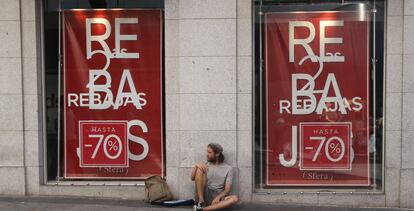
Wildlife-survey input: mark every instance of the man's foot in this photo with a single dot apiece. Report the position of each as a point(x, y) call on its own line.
point(199, 206)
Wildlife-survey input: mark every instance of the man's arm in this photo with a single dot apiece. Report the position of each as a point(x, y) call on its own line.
point(222, 194)
point(227, 187)
point(226, 191)
point(193, 173)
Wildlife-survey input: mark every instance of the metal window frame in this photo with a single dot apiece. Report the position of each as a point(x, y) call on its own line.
point(42, 114)
point(258, 188)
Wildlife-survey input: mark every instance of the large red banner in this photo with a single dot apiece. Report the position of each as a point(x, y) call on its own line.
point(112, 65)
point(317, 98)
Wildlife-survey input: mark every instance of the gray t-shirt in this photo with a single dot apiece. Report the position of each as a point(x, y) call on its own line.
point(218, 176)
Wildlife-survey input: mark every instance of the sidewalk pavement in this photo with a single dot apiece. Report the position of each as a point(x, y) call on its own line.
point(92, 204)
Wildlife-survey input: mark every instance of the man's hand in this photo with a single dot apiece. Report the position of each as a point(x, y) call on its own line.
point(216, 200)
point(203, 167)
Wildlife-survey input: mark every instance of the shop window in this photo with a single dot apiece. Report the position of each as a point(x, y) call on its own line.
point(319, 96)
point(103, 89)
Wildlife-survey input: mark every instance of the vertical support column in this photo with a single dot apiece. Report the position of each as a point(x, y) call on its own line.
point(11, 109)
point(172, 99)
point(244, 98)
point(31, 45)
point(407, 147)
point(201, 86)
point(393, 99)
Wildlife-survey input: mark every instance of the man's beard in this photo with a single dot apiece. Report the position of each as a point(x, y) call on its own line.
point(212, 159)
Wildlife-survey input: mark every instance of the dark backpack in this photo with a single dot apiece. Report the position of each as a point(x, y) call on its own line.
point(157, 190)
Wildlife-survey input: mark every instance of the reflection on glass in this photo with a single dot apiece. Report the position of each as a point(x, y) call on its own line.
point(51, 48)
point(318, 104)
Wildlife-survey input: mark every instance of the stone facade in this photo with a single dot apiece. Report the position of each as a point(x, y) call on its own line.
point(209, 71)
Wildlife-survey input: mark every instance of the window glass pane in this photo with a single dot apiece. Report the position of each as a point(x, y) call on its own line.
point(104, 89)
point(319, 95)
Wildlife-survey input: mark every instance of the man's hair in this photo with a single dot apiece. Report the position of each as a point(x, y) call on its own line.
point(217, 149)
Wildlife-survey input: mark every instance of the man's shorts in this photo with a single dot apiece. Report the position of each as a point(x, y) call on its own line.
point(209, 195)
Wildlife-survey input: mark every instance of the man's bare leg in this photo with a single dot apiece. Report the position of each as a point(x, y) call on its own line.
point(200, 183)
point(227, 202)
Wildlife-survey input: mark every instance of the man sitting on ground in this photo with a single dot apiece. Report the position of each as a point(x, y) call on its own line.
point(213, 181)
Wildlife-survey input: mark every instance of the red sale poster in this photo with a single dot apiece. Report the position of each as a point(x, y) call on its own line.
point(317, 98)
point(112, 81)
